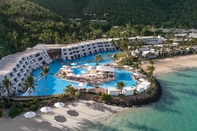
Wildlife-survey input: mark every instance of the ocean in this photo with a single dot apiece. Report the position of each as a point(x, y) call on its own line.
point(175, 111)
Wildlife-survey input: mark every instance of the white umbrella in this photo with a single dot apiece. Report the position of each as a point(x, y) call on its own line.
point(82, 84)
point(61, 68)
point(90, 67)
point(135, 74)
point(70, 70)
point(73, 64)
point(71, 74)
point(59, 104)
point(83, 72)
point(64, 66)
point(141, 79)
point(78, 75)
point(100, 73)
point(30, 114)
point(125, 66)
point(45, 109)
point(86, 64)
point(91, 74)
point(115, 64)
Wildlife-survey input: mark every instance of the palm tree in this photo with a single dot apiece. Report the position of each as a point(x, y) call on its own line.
point(120, 85)
point(152, 62)
point(150, 70)
point(6, 86)
point(44, 73)
point(98, 58)
point(30, 83)
point(115, 57)
point(113, 43)
point(70, 90)
point(108, 55)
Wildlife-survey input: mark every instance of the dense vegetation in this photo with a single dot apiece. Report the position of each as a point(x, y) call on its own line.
point(25, 23)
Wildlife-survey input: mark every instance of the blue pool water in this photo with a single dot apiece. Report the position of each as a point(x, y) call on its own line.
point(79, 70)
point(56, 85)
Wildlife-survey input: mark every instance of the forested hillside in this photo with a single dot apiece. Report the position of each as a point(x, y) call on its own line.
point(25, 23)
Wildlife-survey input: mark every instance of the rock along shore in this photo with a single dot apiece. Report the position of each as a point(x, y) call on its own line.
point(129, 101)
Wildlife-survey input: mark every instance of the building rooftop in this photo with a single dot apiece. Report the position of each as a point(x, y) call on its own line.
point(105, 68)
point(59, 46)
point(113, 89)
point(128, 89)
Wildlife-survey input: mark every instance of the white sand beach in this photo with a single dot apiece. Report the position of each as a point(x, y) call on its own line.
point(75, 116)
point(174, 64)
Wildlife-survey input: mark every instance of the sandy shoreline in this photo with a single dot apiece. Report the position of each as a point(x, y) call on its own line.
point(76, 115)
point(173, 64)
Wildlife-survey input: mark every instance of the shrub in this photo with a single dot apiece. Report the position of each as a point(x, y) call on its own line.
point(100, 93)
point(5, 104)
point(106, 97)
point(20, 105)
point(90, 92)
point(15, 112)
point(1, 112)
point(44, 101)
point(122, 96)
point(148, 91)
point(33, 108)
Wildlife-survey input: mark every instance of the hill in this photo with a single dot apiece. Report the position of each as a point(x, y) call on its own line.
point(24, 23)
point(166, 13)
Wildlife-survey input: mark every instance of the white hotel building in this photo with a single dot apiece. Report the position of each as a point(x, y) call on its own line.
point(18, 66)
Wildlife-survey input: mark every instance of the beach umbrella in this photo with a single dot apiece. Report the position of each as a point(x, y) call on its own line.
point(82, 84)
point(90, 67)
point(86, 64)
point(83, 72)
point(91, 74)
point(71, 74)
point(135, 74)
point(125, 66)
point(59, 104)
point(69, 70)
point(115, 64)
point(45, 109)
point(61, 68)
point(141, 79)
point(64, 66)
point(78, 75)
point(100, 73)
point(73, 64)
point(30, 114)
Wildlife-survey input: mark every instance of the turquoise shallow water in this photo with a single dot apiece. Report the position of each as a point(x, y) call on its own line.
point(175, 111)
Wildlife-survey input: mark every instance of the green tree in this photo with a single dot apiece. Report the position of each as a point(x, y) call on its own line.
point(70, 90)
point(98, 58)
point(150, 70)
point(6, 86)
point(120, 85)
point(108, 56)
point(30, 83)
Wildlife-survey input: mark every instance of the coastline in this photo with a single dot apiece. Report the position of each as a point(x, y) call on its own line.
point(78, 114)
point(174, 64)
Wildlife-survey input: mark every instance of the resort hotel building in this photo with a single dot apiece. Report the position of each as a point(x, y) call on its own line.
point(18, 66)
point(147, 39)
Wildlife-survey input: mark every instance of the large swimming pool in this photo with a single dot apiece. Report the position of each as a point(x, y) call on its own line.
point(56, 85)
